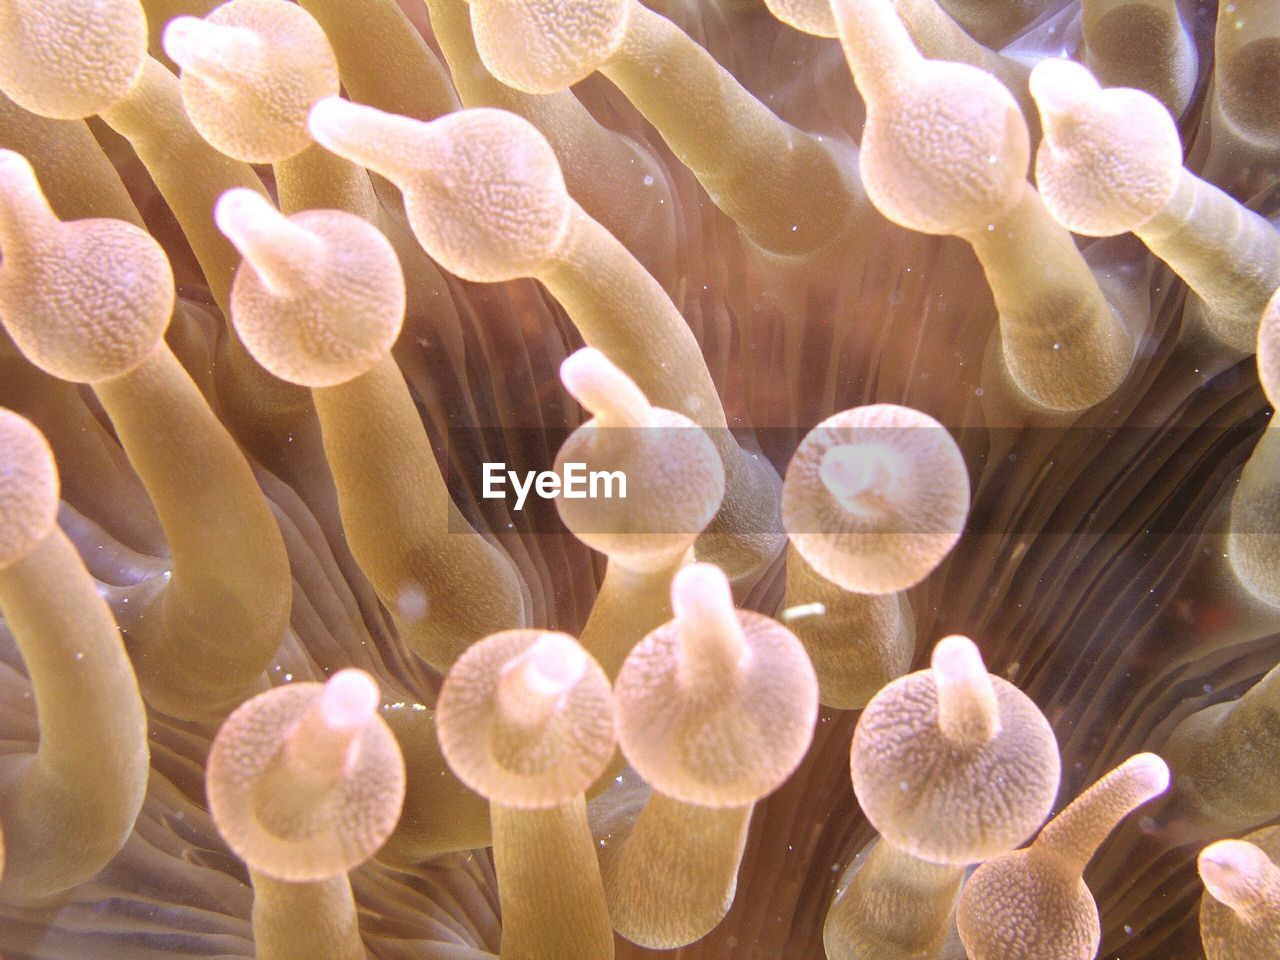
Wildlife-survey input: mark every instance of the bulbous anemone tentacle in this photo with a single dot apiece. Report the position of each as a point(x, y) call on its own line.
point(1111, 162)
point(106, 41)
point(486, 198)
point(67, 809)
point(885, 316)
point(320, 302)
point(791, 192)
point(875, 497)
point(674, 485)
point(1240, 911)
point(1033, 903)
point(250, 72)
point(945, 151)
point(617, 180)
point(526, 718)
point(715, 710)
point(988, 746)
point(89, 301)
point(305, 783)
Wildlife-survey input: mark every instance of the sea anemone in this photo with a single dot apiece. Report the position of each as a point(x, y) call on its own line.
point(984, 280)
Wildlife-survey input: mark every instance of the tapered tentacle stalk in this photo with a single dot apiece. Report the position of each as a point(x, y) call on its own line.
point(383, 59)
point(1253, 540)
point(1111, 162)
point(450, 169)
point(894, 906)
point(1240, 911)
point(1213, 750)
point(225, 599)
point(1032, 904)
point(74, 170)
point(675, 846)
point(715, 710)
point(320, 302)
point(932, 28)
point(1246, 45)
point(526, 718)
point(441, 814)
point(996, 22)
point(66, 809)
point(790, 192)
point(858, 642)
point(1062, 343)
point(1143, 44)
point(305, 921)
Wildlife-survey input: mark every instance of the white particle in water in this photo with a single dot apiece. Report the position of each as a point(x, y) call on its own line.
point(802, 610)
point(411, 603)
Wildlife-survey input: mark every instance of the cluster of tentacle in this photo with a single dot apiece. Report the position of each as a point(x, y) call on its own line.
point(615, 772)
